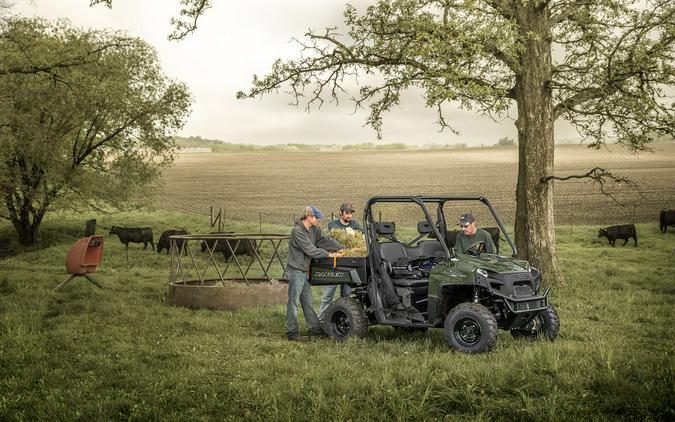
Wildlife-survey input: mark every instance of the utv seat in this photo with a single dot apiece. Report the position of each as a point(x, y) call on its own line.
point(426, 248)
point(392, 251)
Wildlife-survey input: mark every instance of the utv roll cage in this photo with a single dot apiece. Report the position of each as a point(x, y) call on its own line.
point(440, 201)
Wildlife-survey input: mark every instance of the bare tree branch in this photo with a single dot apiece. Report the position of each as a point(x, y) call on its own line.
point(601, 177)
point(189, 13)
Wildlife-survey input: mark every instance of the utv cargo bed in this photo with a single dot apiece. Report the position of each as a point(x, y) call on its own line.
point(344, 270)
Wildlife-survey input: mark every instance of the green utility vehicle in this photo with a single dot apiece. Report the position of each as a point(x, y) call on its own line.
point(424, 283)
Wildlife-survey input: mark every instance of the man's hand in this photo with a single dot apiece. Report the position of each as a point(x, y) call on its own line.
point(335, 254)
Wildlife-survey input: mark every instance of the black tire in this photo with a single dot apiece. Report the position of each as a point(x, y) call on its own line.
point(470, 328)
point(544, 323)
point(345, 318)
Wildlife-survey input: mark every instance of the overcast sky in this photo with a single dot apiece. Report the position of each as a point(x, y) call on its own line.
point(237, 39)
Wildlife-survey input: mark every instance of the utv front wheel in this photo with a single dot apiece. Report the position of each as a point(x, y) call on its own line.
point(545, 323)
point(470, 328)
point(344, 318)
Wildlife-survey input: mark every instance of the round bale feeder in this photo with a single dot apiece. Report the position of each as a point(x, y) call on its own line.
point(228, 270)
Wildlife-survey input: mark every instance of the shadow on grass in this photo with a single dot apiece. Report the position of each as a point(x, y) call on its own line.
point(51, 234)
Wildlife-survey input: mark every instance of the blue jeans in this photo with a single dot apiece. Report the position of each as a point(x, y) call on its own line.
point(329, 292)
point(300, 290)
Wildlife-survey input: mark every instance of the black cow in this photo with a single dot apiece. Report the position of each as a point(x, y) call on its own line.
point(451, 236)
point(164, 241)
point(135, 235)
point(624, 231)
point(90, 228)
point(667, 218)
point(244, 247)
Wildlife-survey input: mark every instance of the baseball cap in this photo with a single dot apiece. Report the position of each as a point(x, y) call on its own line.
point(347, 206)
point(312, 210)
point(465, 219)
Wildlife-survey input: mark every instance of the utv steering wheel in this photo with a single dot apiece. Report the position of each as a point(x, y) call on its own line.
point(476, 249)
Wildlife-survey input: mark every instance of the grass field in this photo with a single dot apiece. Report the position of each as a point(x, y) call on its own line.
point(121, 353)
point(273, 186)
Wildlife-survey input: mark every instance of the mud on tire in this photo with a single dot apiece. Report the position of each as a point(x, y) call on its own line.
point(470, 328)
point(344, 318)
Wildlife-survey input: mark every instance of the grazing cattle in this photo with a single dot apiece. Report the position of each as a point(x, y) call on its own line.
point(624, 231)
point(451, 236)
point(90, 228)
point(241, 247)
point(164, 241)
point(134, 235)
point(667, 218)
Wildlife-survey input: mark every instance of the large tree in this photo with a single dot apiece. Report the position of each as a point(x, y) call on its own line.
point(86, 118)
point(602, 65)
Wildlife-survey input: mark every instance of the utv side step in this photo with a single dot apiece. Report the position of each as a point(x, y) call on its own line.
point(408, 314)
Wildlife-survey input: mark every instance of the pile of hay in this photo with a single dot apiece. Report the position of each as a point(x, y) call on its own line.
point(354, 241)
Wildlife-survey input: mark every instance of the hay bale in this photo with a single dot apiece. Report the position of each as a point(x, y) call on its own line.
point(354, 241)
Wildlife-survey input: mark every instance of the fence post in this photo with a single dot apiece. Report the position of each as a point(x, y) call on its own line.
point(221, 214)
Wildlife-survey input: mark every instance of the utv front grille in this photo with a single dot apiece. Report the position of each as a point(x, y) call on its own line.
point(528, 306)
point(525, 304)
point(522, 291)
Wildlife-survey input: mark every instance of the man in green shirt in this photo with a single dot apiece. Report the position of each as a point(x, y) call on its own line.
point(471, 235)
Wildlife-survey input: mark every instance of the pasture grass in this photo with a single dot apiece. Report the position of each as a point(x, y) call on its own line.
point(122, 353)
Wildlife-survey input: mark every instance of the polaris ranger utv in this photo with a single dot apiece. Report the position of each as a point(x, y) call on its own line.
point(424, 283)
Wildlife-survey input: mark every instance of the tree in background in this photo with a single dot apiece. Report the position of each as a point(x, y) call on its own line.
point(506, 142)
point(602, 65)
point(86, 118)
point(189, 13)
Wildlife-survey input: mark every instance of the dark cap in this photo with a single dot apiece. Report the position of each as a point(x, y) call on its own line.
point(465, 219)
point(347, 207)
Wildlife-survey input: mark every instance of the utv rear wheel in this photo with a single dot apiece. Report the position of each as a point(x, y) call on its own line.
point(470, 328)
point(544, 323)
point(344, 318)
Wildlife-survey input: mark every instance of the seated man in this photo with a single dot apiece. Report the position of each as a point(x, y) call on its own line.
point(470, 235)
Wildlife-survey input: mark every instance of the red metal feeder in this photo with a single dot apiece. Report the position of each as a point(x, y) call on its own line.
point(83, 258)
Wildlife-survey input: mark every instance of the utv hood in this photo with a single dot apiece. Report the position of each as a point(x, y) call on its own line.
point(493, 263)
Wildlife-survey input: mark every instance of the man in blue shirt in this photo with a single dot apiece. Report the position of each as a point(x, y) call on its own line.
point(344, 222)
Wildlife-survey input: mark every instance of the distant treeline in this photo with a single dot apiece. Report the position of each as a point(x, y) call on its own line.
point(216, 145)
point(220, 146)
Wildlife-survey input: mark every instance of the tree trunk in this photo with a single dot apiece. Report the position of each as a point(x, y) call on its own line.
point(534, 228)
point(25, 219)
